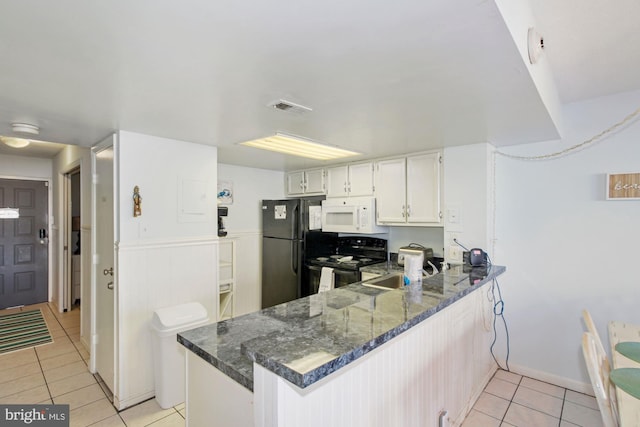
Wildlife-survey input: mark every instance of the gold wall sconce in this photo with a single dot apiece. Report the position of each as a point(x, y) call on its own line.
point(137, 202)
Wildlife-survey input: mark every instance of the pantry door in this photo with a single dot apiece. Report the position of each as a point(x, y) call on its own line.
point(24, 243)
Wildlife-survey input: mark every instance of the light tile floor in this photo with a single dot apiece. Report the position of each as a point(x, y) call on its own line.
point(513, 400)
point(58, 373)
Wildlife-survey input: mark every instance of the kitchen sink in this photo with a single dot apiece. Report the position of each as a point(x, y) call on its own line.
point(390, 281)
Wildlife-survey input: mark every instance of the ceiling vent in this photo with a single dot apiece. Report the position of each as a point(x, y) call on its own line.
point(288, 106)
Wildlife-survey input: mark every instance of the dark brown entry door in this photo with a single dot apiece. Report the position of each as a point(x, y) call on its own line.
point(23, 254)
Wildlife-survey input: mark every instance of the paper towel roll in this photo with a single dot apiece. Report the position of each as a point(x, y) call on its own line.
point(326, 279)
point(413, 267)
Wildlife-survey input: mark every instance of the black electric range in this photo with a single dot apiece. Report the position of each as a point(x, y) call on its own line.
point(346, 258)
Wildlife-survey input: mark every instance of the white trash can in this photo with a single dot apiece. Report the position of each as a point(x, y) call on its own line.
point(168, 354)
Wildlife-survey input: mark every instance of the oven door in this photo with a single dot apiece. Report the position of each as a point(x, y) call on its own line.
point(340, 278)
point(345, 277)
point(311, 280)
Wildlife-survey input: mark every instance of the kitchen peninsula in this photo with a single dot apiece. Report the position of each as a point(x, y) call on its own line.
point(356, 355)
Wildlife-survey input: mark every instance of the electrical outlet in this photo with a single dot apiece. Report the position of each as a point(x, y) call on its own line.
point(455, 253)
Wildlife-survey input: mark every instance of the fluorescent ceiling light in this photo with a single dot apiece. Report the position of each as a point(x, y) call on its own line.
point(297, 146)
point(15, 142)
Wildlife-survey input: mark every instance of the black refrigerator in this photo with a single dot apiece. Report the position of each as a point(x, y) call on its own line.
point(284, 226)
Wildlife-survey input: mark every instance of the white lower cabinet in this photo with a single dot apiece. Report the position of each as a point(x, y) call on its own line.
point(408, 190)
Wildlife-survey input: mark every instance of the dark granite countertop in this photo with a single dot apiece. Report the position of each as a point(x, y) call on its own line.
point(307, 339)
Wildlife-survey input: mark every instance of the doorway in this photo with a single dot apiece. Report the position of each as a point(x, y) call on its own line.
point(72, 274)
point(24, 242)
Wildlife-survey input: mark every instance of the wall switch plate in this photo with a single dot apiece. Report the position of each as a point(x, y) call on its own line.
point(453, 215)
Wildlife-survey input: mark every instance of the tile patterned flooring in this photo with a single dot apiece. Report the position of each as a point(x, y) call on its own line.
point(513, 400)
point(58, 373)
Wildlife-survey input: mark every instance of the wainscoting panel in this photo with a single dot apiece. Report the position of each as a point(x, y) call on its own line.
point(443, 364)
point(152, 276)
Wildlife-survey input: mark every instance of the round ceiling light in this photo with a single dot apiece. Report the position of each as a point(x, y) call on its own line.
point(15, 142)
point(25, 128)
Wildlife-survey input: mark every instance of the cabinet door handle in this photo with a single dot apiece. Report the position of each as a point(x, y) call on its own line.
point(402, 211)
point(408, 211)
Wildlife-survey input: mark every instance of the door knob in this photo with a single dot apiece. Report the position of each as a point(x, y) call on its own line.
point(108, 272)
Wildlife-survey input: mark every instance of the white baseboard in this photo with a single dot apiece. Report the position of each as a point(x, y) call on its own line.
point(553, 379)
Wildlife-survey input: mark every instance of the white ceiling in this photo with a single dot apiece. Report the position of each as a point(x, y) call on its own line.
point(381, 77)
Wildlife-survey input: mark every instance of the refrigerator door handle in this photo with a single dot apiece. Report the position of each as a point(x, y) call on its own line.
point(296, 223)
point(294, 258)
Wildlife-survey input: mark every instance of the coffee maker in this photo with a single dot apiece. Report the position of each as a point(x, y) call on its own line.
point(222, 212)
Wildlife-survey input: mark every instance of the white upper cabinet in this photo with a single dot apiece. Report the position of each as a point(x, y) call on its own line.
point(423, 189)
point(337, 178)
point(391, 185)
point(314, 181)
point(350, 180)
point(408, 190)
point(308, 182)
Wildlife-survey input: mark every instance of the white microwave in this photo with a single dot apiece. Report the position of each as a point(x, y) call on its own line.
point(350, 215)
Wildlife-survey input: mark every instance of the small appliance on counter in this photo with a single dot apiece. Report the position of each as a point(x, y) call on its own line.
point(415, 249)
point(222, 212)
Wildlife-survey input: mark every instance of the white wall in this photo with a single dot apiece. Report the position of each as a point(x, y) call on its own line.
point(68, 159)
point(250, 186)
point(244, 224)
point(167, 256)
point(467, 189)
point(165, 170)
point(565, 247)
point(25, 167)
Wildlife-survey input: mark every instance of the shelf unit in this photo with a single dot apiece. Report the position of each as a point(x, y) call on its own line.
point(226, 278)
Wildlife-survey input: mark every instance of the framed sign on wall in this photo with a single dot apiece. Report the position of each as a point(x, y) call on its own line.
point(623, 186)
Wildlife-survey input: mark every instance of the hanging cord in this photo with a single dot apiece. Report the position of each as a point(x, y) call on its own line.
point(498, 311)
point(571, 149)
